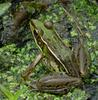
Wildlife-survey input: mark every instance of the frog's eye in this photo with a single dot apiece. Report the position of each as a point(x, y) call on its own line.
point(48, 24)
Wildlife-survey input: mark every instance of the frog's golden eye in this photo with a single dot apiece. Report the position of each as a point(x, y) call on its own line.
point(48, 24)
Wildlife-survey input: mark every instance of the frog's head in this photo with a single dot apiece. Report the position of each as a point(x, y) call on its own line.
point(40, 27)
point(40, 31)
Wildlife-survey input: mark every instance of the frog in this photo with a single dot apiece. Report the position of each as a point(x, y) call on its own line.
point(61, 58)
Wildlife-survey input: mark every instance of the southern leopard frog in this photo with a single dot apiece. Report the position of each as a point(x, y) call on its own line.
point(53, 49)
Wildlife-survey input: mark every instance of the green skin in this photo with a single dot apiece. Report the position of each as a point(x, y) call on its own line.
point(51, 44)
point(52, 47)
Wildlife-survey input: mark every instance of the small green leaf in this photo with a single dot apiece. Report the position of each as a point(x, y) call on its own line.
point(73, 33)
point(4, 7)
point(6, 92)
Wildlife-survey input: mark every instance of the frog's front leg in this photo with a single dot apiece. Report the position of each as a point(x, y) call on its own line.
point(28, 71)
